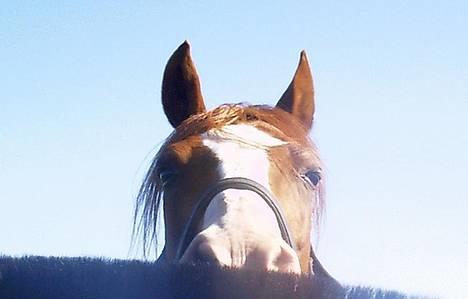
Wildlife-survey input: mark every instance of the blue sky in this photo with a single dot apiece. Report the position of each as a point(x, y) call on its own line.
point(80, 119)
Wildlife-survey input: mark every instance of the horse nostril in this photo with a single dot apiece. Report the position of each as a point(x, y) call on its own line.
point(205, 254)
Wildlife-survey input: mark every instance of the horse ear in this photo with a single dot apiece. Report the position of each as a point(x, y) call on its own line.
point(181, 92)
point(298, 99)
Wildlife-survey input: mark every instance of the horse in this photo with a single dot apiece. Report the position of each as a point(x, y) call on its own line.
point(240, 185)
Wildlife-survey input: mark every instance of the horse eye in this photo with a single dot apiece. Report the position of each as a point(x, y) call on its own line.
point(165, 176)
point(313, 177)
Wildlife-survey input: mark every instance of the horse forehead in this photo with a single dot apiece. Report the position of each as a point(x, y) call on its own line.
point(242, 151)
point(247, 135)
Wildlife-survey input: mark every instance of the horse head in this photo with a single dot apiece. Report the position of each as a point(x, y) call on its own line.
point(239, 185)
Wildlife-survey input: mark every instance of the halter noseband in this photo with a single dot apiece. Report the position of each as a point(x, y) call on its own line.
point(242, 183)
point(239, 183)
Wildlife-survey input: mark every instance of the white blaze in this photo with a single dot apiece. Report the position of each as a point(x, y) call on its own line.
point(242, 150)
point(239, 223)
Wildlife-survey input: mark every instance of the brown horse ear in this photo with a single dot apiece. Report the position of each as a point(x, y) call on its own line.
point(181, 92)
point(298, 99)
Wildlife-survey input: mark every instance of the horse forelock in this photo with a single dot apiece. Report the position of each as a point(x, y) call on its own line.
point(277, 123)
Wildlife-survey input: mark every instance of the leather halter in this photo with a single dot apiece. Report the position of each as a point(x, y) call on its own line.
point(239, 183)
point(242, 183)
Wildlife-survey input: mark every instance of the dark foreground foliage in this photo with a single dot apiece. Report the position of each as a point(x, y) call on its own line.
point(70, 278)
